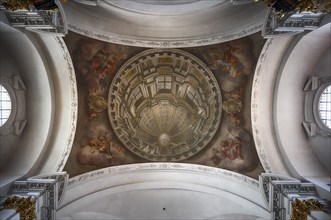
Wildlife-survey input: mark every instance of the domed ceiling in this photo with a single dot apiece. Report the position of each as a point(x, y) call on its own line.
point(164, 105)
point(189, 105)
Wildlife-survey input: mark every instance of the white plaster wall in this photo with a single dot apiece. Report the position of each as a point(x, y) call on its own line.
point(39, 105)
point(8, 68)
point(284, 66)
point(45, 66)
point(262, 105)
point(162, 191)
point(321, 144)
point(293, 143)
point(56, 54)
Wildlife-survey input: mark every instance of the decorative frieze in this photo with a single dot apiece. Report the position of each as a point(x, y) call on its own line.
point(37, 19)
point(162, 43)
point(180, 167)
point(87, 2)
point(73, 100)
point(282, 195)
point(279, 23)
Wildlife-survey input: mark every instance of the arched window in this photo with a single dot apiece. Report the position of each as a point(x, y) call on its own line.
point(324, 107)
point(12, 105)
point(5, 105)
point(318, 106)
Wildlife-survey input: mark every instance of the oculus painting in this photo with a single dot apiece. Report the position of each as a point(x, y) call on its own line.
point(187, 105)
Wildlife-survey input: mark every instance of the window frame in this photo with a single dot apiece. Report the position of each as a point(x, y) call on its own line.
point(316, 102)
point(13, 99)
point(16, 121)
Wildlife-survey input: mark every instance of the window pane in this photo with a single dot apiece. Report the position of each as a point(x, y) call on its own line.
point(325, 107)
point(5, 105)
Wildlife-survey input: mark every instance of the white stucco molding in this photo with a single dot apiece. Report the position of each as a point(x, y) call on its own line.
point(169, 178)
point(157, 7)
point(66, 103)
point(52, 108)
point(73, 104)
point(26, 59)
point(296, 148)
point(159, 43)
point(265, 179)
point(223, 22)
point(262, 105)
point(183, 167)
point(277, 107)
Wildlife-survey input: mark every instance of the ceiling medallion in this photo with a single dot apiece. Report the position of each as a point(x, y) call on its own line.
point(164, 105)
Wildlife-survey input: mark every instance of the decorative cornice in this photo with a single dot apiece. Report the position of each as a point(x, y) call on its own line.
point(255, 107)
point(163, 167)
point(162, 43)
point(46, 188)
point(62, 182)
point(74, 104)
point(266, 179)
point(281, 189)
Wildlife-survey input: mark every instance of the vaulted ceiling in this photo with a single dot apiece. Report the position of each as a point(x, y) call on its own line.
point(132, 80)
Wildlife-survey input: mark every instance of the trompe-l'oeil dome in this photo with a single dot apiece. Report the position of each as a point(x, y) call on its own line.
point(164, 105)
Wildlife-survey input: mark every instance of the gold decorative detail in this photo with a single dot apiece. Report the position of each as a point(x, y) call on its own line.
point(232, 106)
point(14, 5)
point(96, 103)
point(302, 208)
point(269, 3)
point(25, 206)
point(165, 60)
point(313, 6)
point(18, 4)
point(306, 5)
point(96, 152)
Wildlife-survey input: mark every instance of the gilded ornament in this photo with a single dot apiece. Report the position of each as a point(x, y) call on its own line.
point(232, 106)
point(96, 103)
point(25, 206)
point(14, 5)
point(304, 5)
point(302, 208)
point(96, 152)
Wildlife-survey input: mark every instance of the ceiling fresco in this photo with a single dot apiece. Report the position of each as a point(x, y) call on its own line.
point(189, 105)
